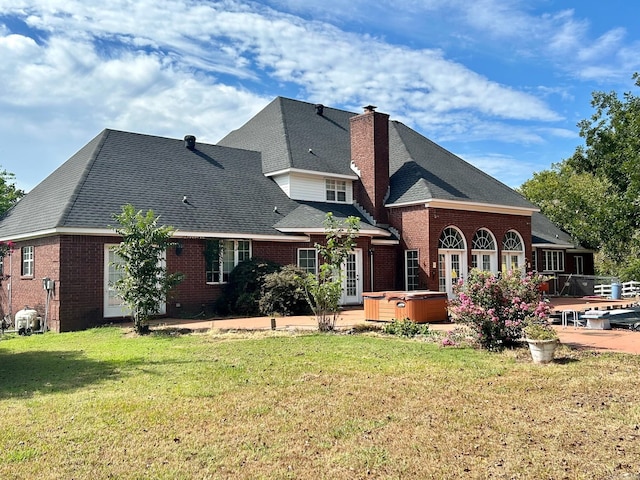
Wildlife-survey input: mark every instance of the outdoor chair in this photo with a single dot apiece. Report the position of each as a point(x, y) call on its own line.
point(572, 315)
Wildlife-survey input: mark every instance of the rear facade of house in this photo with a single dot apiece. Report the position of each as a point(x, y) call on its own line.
point(426, 216)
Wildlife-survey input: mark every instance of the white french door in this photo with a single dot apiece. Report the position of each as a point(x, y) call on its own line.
point(352, 278)
point(451, 264)
point(113, 305)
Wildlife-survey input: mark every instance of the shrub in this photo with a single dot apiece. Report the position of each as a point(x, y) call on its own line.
point(282, 293)
point(242, 292)
point(495, 308)
point(406, 328)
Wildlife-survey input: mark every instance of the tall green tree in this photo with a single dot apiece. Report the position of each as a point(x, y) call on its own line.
point(595, 194)
point(9, 194)
point(145, 282)
point(324, 290)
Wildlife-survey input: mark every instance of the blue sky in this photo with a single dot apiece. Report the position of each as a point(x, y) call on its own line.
point(501, 83)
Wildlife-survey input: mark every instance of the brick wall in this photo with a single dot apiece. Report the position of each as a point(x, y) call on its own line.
point(76, 264)
point(370, 153)
point(29, 291)
point(420, 229)
point(287, 253)
point(385, 268)
point(82, 281)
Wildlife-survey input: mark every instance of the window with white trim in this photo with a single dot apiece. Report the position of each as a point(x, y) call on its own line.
point(222, 256)
point(483, 253)
point(553, 261)
point(451, 239)
point(512, 251)
point(579, 264)
point(336, 190)
point(412, 269)
point(27, 261)
point(308, 260)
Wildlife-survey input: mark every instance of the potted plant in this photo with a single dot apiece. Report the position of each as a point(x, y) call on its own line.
point(542, 340)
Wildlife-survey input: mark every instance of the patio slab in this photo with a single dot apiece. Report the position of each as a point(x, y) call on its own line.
point(615, 340)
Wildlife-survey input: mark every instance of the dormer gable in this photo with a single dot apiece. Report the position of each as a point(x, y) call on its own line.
point(315, 186)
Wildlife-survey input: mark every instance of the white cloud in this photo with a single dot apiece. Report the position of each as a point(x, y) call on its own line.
point(326, 62)
point(174, 67)
point(511, 171)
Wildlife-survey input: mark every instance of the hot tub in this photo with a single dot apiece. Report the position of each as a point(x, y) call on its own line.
point(421, 306)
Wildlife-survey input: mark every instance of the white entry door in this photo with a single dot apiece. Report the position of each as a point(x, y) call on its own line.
point(113, 305)
point(352, 278)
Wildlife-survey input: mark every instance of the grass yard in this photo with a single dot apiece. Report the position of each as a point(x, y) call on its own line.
point(103, 404)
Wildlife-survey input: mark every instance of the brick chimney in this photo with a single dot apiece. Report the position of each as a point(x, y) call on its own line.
point(370, 154)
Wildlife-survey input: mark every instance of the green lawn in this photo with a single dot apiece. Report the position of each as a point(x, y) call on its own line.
point(104, 404)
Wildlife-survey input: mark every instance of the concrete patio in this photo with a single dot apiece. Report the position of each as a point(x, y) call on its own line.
point(615, 340)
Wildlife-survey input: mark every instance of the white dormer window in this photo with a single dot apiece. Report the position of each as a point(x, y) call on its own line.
point(336, 190)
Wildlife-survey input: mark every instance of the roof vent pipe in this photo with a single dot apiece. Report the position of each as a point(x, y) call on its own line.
point(190, 142)
point(319, 109)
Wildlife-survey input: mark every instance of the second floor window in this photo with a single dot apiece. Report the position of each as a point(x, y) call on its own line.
point(336, 190)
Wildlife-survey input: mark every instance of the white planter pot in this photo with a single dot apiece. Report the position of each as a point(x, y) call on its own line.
point(542, 350)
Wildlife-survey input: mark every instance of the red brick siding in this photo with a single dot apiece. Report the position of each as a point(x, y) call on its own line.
point(385, 268)
point(82, 281)
point(193, 295)
point(76, 264)
point(287, 253)
point(370, 153)
point(420, 228)
point(29, 291)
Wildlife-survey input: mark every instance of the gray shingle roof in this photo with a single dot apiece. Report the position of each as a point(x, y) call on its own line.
point(286, 129)
point(422, 170)
point(225, 188)
point(544, 231)
point(311, 215)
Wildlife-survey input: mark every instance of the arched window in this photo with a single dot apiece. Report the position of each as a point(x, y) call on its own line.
point(452, 259)
point(451, 239)
point(484, 255)
point(512, 251)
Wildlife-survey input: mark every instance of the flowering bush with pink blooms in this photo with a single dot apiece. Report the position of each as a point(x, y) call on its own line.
point(495, 307)
point(6, 248)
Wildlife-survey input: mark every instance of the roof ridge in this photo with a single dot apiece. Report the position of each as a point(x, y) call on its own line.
point(285, 131)
point(83, 178)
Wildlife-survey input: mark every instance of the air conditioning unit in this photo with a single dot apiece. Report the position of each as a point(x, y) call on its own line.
point(27, 321)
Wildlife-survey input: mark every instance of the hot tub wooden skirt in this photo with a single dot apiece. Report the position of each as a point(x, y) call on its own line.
point(421, 306)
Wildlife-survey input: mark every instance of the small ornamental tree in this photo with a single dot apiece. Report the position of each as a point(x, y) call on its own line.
point(324, 290)
point(497, 308)
point(145, 282)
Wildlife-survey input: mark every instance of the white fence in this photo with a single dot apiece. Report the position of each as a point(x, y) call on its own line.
point(628, 289)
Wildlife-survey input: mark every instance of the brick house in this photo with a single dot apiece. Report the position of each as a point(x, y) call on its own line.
point(427, 217)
